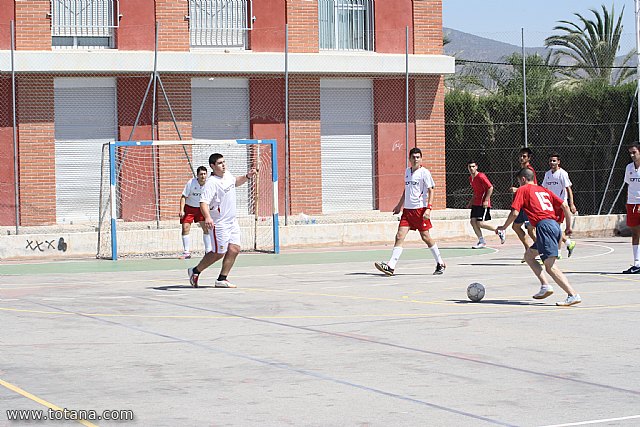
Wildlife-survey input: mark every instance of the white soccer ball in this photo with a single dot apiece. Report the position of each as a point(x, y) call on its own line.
point(475, 291)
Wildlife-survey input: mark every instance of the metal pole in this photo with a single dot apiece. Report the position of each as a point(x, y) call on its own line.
point(153, 133)
point(15, 129)
point(524, 90)
point(406, 96)
point(286, 126)
point(638, 60)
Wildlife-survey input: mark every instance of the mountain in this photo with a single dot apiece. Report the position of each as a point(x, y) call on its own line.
point(475, 48)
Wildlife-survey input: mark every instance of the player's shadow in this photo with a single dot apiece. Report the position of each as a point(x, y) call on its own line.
point(601, 273)
point(496, 301)
point(375, 274)
point(490, 264)
point(176, 287)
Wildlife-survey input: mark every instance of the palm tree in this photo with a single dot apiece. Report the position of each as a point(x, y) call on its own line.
point(592, 45)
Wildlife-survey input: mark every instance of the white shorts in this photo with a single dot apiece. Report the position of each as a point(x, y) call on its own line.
point(224, 235)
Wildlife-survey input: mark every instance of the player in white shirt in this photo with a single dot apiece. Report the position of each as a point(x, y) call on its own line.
point(557, 181)
point(190, 211)
point(218, 206)
point(632, 179)
point(416, 199)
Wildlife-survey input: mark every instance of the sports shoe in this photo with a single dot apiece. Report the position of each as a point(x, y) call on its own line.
point(503, 236)
point(570, 249)
point(545, 291)
point(193, 277)
point(632, 270)
point(439, 269)
point(224, 284)
point(382, 266)
point(571, 300)
point(479, 245)
point(186, 255)
point(559, 255)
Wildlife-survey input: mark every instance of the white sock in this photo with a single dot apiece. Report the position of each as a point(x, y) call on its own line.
point(481, 240)
point(395, 256)
point(636, 255)
point(186, 243)
point(568, 242)
point(436, 254)
point(206, 238)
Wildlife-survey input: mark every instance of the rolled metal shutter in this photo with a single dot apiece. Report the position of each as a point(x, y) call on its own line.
point(85, 118)
point(346, 115)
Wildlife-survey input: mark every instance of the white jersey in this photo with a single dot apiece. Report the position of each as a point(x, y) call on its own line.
point(632, 177)
point(557, 182)
point(416, 188)
point(192, 192)
point(220, 195)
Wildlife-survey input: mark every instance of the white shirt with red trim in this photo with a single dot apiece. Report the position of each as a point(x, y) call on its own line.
point(192, 192)
point(557, 182)
point(417, 185)
point(632, 177)
point(220, 194)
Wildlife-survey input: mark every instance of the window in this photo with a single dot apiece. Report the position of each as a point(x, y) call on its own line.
point(84, 23)
point(220, 23)
point(346, 24)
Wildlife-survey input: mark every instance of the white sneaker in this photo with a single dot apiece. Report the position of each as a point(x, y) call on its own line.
point(479, 245)
point(224, 284)
point(545, 291)
point(571, 300)
point(503, 236)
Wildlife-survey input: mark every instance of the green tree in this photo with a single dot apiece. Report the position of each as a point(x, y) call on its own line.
point(592, 45)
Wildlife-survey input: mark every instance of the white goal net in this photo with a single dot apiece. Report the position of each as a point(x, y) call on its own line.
point(141, 185)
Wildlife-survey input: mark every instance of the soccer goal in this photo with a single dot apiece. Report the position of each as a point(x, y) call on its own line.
point(142, 182)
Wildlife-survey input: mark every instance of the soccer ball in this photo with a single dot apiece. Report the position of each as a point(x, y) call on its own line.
point(475, 291)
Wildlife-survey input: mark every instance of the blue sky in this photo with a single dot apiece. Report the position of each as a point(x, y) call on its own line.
point(503, 19)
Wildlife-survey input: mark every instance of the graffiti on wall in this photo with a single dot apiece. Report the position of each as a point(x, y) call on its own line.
point(45, 245)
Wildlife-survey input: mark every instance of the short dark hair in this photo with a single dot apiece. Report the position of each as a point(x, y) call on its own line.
point(634, 144)
point(526, 150)
point(415, 150)
point(471, 161)
point(556, 155)
point(526, 173)
point(201, 168)
point(214, 158)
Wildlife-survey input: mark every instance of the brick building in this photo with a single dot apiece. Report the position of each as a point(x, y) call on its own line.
point(82, 69)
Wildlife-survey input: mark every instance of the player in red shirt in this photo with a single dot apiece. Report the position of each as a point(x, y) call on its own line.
point(525, 156)
point(480, 204)
point(540, 205)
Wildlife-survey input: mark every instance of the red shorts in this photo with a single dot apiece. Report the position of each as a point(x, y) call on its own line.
point(191, 214)
point(633, 215)
point(413, 219)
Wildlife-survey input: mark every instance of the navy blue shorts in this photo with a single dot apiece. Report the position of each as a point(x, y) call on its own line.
point(548, 233)
point(521, 218)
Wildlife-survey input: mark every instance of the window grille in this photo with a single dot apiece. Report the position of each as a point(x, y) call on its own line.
point(220, 23)
point(346, 24)
point(84, 23)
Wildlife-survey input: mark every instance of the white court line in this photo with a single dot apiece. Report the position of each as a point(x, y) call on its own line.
point(384, 284)
point(116, 297)
point(58, 299)
point(170, 295)
point(593, 256)
point(582, 423)
point(336, 287)
point(9, 299)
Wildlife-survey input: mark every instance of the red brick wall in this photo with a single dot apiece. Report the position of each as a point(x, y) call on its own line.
point(7, 178)
point(429, 105)
point(391, 20)
point(173, 33)
point(268, 34)
point(302, 17)
point(172, 163)
point(427, 26)
point(33, 26)
point(137, 26)
point(6, 16)
point(266, 101)
point(305, 171)
point(37, 150)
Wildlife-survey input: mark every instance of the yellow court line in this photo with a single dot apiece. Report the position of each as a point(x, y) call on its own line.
point(43, 402)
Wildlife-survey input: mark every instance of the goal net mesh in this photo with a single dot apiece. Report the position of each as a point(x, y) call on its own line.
point(149, 180)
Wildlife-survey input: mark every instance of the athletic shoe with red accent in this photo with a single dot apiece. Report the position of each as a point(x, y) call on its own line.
point(193, 277)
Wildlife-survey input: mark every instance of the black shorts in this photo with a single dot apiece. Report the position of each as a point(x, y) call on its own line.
point(480, 213)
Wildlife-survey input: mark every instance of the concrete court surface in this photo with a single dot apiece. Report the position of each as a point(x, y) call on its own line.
point(323, 339)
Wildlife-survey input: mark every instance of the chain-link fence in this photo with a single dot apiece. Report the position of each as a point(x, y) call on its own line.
point(589, 123)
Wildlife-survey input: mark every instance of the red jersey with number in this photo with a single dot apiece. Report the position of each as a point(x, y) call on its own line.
point(537, 202)
point(480, 185)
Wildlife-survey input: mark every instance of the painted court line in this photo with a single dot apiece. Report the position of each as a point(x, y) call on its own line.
point(43, 402)
point(606, 420)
